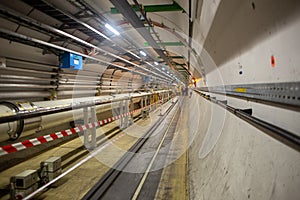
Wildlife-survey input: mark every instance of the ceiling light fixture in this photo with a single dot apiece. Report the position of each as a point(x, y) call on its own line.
point(109, 27)
point(156, 63)
point(143, 53)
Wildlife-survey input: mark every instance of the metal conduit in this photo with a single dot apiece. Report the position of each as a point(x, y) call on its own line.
point(4, 33)
point(32, 63)
point(130, 15)
point(35, 86)
point(9, 13)
point(186, 44)
point(95, 31)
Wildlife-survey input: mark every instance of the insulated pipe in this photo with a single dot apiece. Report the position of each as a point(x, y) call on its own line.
point(18, 95)
point(32, 125)
point(21, 38)
point(16, 119)
point(14, 128)
point(32, 22)
point(29, 94)
point(46, 111)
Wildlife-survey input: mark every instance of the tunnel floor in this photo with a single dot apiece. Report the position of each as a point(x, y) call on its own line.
point(166, 182)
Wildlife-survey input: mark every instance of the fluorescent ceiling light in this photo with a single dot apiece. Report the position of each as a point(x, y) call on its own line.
point(143, 53)
point(109, 27)
point(156, 63)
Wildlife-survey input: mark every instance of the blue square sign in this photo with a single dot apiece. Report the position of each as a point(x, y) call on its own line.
point(70, 61)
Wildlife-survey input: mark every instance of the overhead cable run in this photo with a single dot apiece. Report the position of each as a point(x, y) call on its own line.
point(126, 10)
point(282, 94)
point(49, 28)
point(186, 44)
point(10, 35)
point(84, 27)
point(149, 24)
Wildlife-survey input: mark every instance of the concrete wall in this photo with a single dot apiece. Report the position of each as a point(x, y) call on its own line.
point(244, 163)
point(228, 158)
point(245, 37)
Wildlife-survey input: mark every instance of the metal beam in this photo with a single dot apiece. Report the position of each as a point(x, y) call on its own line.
point(174, 57)
point(125, 9)
point(153, 8)
point(164, 44)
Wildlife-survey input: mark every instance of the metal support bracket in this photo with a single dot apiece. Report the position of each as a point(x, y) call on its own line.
point(124, 109)
point(145, 110)
point(89, 134)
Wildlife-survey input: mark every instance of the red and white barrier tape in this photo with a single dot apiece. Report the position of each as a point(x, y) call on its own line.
point(10, 148)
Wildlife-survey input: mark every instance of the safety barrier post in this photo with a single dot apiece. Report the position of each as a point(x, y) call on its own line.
point(121, 111)
point(126, 111)
point(160, 106)
point(89, 134)
point(131, 109)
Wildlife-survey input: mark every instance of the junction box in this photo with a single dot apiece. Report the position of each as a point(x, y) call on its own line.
point(70, 61)
point(24, 183)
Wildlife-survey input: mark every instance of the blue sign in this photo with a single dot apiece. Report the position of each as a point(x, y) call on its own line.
point(147, 79)
point(70, 61)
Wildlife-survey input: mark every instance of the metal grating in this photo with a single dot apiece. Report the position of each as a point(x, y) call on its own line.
point(284, 93)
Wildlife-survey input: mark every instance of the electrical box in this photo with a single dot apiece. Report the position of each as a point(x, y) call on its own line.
point(145, 113)
point(53, 175)
point(25, 179)
point(50, 169)
point(147, 79)
point(21, 193)
point(70, 61)
point(52, 164)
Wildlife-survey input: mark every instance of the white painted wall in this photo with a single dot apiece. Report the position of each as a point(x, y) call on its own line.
point(247, 38)
point(245, 163)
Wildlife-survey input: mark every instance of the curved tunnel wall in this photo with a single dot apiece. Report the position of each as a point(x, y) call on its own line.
point(245, 163)
point(240, 36)
point(245, 34)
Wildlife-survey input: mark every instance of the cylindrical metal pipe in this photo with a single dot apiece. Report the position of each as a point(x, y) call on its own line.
point(13, 129)
point(16, 95)
point(48, 114)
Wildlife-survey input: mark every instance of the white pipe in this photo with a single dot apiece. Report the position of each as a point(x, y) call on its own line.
point(38, 124)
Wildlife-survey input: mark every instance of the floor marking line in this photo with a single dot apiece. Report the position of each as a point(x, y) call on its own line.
point(139, 188)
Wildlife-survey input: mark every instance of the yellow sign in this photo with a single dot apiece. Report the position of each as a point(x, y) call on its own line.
point(243, 90)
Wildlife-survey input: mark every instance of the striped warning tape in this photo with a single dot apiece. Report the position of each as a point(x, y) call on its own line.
point(10, 148)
